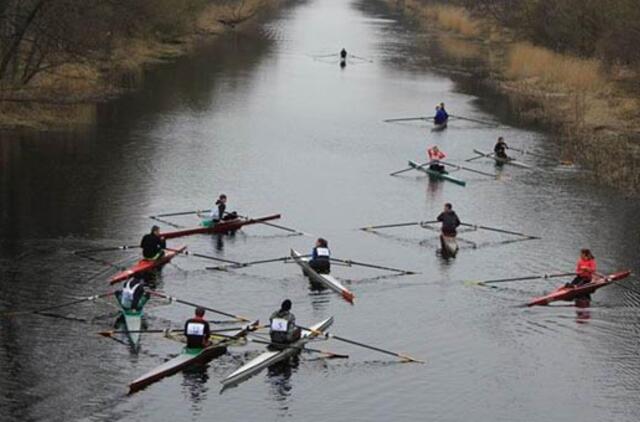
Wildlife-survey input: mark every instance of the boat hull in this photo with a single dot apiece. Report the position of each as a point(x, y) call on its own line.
point(436, 174)
point(571, 293)
point(324, 280)
point(449, 246)
point(145, 265)
point(273, 357)
point(439, 127)
point(132, 322)
point(222, 227)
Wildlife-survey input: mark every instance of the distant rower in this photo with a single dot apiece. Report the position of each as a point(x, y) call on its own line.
point(152, 244)
point(500, 149)
point(197, 331)
point(585, 269)
point(343, 54)
point(283, 325)
point(435, 156)
point(441, 117)
point(321, 257)
point(449, 220)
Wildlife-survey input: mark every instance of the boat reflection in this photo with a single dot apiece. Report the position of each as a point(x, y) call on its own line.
point(583, 311)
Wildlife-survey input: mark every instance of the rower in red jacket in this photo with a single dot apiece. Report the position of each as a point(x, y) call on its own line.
point(435, 156)
point(585, 269)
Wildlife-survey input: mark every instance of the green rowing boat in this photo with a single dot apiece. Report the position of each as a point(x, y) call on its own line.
point(436, 174)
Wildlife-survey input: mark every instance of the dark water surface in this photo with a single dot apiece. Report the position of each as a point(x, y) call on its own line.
point(261, 119)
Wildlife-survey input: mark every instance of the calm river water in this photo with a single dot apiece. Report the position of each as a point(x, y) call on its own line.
point(279, 129)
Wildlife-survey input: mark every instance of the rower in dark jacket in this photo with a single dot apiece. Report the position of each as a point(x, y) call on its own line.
point(283, 325)
point(321, 257)
point(449, 220)
point(197, 330)
point(152, 244)
point(500, 149)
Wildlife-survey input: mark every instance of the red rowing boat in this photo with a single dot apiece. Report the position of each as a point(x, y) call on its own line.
point(145, 265)
point(220, 228)
point(571, 293)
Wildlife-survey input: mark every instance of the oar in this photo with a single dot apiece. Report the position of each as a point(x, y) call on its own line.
point(277, 226)
point(493, 229)
point(469, 169)
point(524, 151)
point(175, 214)
point(112, 248)
point(197, 255)
point(366, 346)
point(484, 122)
point(525, 278)
point(479, 156)
point(110, 333)
point(386, 226)
point(195, 305)
point(406, 119)
point(58, 306)
point(331, 355)
point(168, 223)
point(378, 267)
point(407, 169)
point(246, 264)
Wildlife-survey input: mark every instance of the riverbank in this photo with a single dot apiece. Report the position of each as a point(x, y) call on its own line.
point(65, 97)
point(592, 108)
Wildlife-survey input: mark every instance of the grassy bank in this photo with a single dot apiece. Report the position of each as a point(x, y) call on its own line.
point(593, 106)
point(64, 94)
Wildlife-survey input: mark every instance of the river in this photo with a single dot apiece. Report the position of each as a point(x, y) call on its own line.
point(279, 129)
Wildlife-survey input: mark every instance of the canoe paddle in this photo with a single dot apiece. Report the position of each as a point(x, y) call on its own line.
point(493, 229)
point(525, 278)
point(366, 346)
point(349, 263)
point(60, 305)
point(195, 305)
point(386, 226)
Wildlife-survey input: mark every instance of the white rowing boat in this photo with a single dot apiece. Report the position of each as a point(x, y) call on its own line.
point(272, 357)
point(132, 322)
point(449, 246)
point(325, 280)
point(187, 358)
point(510, 161)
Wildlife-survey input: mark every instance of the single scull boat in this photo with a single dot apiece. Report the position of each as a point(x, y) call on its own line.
point(325, 280)
point(145, 265)
point(436, 174)
point(498, 160)
point(571, 293)
point(133, 321)
point(223, 227)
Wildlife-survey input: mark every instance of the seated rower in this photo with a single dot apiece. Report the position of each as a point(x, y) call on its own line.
point(152, 244)
point(283, 325)
point(441, 117)
point(435, 156)
point(218, 213)
point(500, 149)
point(321, 257)
point(449, 220)
point(585, 269)
point(197, 330)
point(132, 293)
point(343, 54)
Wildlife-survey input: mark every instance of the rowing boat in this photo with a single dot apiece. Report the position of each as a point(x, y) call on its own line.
point(571, 293)
point(324, 280)
point(498, 160)
point(133, 321)
point(222, 227)
point(271, 357)
point(439, 127)
point(436, 174)
point(146, 265)
point(188, 357)
point(449, 246)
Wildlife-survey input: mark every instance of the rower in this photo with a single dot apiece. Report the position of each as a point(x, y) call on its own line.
point(132, 293)
point(321, 257)
point(343, 54)
point(500, 149)
point(153, 244)
point(435, 156)
point(283, 325)
point(585, 269)
point(441, 116)
point(449, 220)
point(197, 330)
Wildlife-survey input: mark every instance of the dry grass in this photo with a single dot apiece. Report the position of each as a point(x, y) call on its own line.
point(557, 71)
point(459, 49)
point(452, 18)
